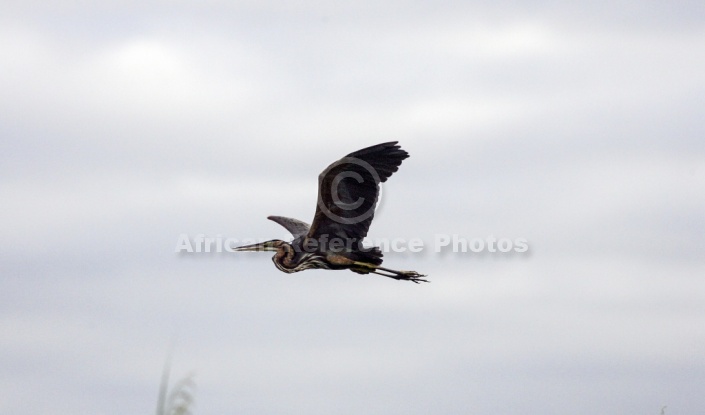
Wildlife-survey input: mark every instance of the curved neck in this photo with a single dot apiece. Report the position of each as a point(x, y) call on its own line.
point(284, 258)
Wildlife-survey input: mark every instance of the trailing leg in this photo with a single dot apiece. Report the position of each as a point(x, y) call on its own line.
point(412, 276)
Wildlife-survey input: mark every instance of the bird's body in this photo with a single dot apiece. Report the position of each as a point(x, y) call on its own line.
point(347, 195)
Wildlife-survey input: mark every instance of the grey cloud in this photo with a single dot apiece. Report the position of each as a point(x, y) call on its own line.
point(575, 126)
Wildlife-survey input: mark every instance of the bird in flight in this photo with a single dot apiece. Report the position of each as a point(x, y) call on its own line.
point(347, 195)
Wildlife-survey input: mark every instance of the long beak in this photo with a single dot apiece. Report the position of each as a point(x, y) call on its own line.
point(263, 246)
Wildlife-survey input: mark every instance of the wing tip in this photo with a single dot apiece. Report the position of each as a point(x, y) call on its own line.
point(388, 149)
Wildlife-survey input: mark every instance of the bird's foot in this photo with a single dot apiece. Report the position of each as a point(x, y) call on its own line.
point(412, 276)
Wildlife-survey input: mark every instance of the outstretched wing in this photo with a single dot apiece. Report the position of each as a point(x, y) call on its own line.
point(295, 226)
point(348, 191)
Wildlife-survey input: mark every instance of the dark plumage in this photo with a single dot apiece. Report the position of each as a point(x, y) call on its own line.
point(347, 195)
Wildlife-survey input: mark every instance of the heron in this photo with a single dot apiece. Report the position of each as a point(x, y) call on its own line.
point(348, 191)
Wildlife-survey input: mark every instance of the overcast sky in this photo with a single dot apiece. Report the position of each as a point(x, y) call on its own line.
point(578, 126)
